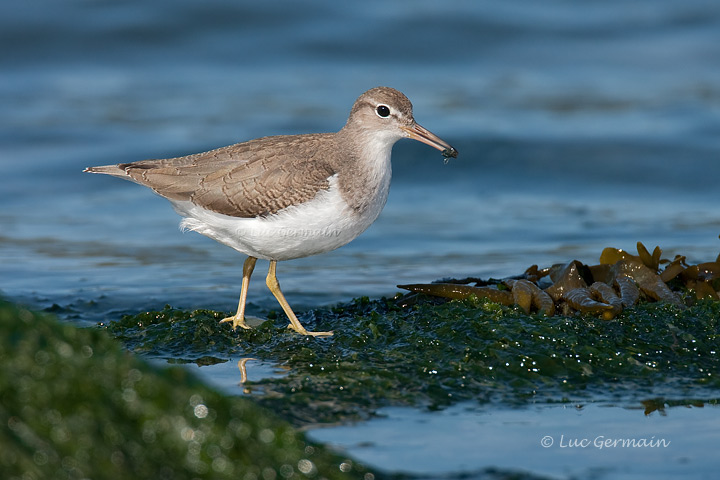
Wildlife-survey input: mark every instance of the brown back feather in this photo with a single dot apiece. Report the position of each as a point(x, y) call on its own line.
point(250, 179)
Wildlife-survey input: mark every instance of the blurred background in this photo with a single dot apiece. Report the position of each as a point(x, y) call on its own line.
point(580, 125)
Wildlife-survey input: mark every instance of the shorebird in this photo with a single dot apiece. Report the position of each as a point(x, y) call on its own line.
point(289, 196)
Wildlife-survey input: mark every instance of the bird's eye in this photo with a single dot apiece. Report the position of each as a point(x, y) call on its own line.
point(383, 111)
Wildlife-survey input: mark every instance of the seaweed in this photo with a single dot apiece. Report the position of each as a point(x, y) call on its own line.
point(74, 404)
point(434, 355)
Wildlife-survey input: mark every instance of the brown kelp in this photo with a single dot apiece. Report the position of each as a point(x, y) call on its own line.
point(620, 280)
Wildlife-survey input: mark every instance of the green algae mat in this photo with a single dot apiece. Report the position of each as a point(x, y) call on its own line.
point(74, 404)
point(433, 354)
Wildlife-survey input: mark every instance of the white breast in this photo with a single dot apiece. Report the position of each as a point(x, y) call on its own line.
point(320, 225)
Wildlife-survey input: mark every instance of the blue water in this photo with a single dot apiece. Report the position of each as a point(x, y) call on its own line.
point(580, 125)
point(565, 441)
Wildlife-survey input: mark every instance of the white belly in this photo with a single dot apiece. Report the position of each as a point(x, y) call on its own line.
point(320, 225)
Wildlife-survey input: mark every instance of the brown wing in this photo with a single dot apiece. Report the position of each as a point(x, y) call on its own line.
point(250, 179)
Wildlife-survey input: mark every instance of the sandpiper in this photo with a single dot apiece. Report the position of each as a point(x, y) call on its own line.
point(289, 196)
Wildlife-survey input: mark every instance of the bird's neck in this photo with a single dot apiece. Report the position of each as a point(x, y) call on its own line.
point(365, 171)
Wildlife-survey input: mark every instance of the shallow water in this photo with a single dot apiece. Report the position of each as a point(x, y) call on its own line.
point(628, 438)
point(590, 441)
point(578, 126)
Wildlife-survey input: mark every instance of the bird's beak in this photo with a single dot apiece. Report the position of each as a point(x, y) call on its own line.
point(416, 132)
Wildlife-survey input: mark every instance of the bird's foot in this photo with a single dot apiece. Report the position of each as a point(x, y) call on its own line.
point(302, 331)
point(237, 321)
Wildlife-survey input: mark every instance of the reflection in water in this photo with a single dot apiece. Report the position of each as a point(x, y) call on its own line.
point(243, 372)
point(578, 131)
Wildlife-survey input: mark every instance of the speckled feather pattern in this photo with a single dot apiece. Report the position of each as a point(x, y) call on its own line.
point(250, 179)
point(257, 195)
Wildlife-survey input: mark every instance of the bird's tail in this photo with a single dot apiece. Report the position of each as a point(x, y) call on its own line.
point(114, 170)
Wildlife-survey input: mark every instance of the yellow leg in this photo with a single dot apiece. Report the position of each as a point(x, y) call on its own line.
point(238, 320)
point(274, 286)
